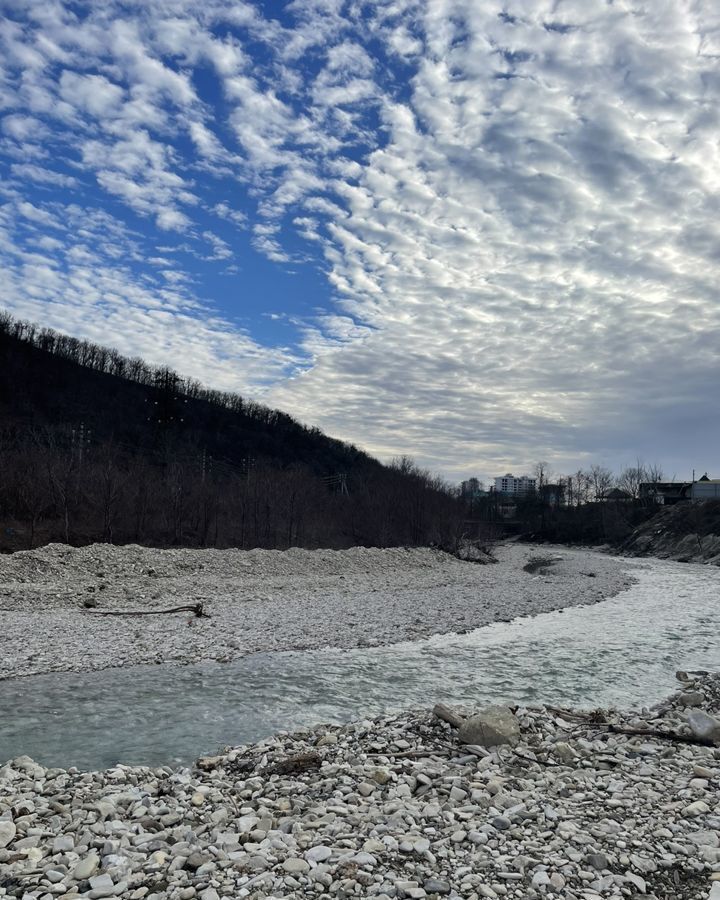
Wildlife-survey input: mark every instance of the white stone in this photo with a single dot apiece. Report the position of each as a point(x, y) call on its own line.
point(704, 726)
point(86, 867)
point(294, 865)
point(318, 854)
point(698, 808)
point(7, 832)
point(101, 886)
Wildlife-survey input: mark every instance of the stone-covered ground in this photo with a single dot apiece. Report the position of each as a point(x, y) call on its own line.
point(263, 600)
point(390, 808)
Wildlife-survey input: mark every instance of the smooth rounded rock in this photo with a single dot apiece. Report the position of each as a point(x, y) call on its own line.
point(293, 865)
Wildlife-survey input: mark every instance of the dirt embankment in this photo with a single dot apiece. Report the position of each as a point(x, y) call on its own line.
point(686, 532)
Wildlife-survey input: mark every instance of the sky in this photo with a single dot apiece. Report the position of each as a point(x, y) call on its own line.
point(482, 233)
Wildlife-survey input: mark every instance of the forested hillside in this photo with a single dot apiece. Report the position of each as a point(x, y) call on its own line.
point(95, 446)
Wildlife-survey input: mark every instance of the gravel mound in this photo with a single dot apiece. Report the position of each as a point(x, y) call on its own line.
point(388, 808)
point(61, 563)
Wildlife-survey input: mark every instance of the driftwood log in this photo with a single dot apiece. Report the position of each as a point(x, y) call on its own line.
point(294, 765)
point(447, 715)
point(196, 608)
point(659, 733)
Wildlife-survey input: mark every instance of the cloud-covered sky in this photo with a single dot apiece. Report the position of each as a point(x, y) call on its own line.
point(481, 233)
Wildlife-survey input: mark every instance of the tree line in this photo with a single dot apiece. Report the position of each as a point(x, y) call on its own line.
point(96, 447)
point(592, 505)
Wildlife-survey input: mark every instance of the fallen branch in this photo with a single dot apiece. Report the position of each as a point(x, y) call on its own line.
point(440, 748)
point(536, 759)
point(657, 733)
point(196, 608)
point(413, 754)
point(595, 715)
point(294, 765)
point(447, 715)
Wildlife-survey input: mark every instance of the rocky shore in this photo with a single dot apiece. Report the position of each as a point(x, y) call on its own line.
point(396, 807)
point(54, 601)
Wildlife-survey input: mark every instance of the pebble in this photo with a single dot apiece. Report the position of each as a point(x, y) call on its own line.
point(435, 886)
point(7, 832)
point(295, 865)
point(318, 854)
point(101, 886)
point(86, 867)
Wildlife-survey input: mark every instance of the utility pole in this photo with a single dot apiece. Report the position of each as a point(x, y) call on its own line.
point(338, 482)
point(246, 465)
point(79, 438)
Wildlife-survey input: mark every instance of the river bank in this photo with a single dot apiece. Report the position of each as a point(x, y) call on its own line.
point(51, 600)
point(686, 532)
point(393, 807)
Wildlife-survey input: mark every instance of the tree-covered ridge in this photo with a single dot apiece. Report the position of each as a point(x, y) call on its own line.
point(154, 399)
point(96, 446)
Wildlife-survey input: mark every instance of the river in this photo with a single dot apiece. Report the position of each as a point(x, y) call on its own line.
point(622, 651)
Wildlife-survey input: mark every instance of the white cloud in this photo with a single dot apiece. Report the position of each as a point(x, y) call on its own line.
point(42, 175)
point(21, 127)
point(515, 203)
point(233, 215)
point(92, 94)
point(88, 292)
point(523, 247)
point(220, 248)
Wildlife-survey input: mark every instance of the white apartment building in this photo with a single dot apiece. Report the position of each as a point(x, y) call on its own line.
point(509, 484)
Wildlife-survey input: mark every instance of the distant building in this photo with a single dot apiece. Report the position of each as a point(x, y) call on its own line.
point(472, 489)
point(517, 487)
point(706, 489)
point(616, 495)
point(665, 492)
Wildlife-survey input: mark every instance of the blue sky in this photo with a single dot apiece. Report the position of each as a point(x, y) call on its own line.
point(483, 234)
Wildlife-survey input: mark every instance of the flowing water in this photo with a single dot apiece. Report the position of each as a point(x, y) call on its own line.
point(623, 651)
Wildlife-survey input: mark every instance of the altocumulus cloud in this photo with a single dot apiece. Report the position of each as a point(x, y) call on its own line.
point(513, 205)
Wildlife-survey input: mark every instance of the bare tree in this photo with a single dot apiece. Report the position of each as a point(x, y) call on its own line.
point(601, 481)
point(632, 477)
point(542, 473)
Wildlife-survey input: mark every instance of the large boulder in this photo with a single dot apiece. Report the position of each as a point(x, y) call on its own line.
point(491, 727)
point(704, 726)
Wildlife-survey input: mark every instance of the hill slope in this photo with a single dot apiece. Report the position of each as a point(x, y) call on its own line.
point(95, 446)
point(47, 379)
point(688, 532)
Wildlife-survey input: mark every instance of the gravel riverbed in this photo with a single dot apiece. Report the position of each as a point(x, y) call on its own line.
point(394, 807)
point(264, 600)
